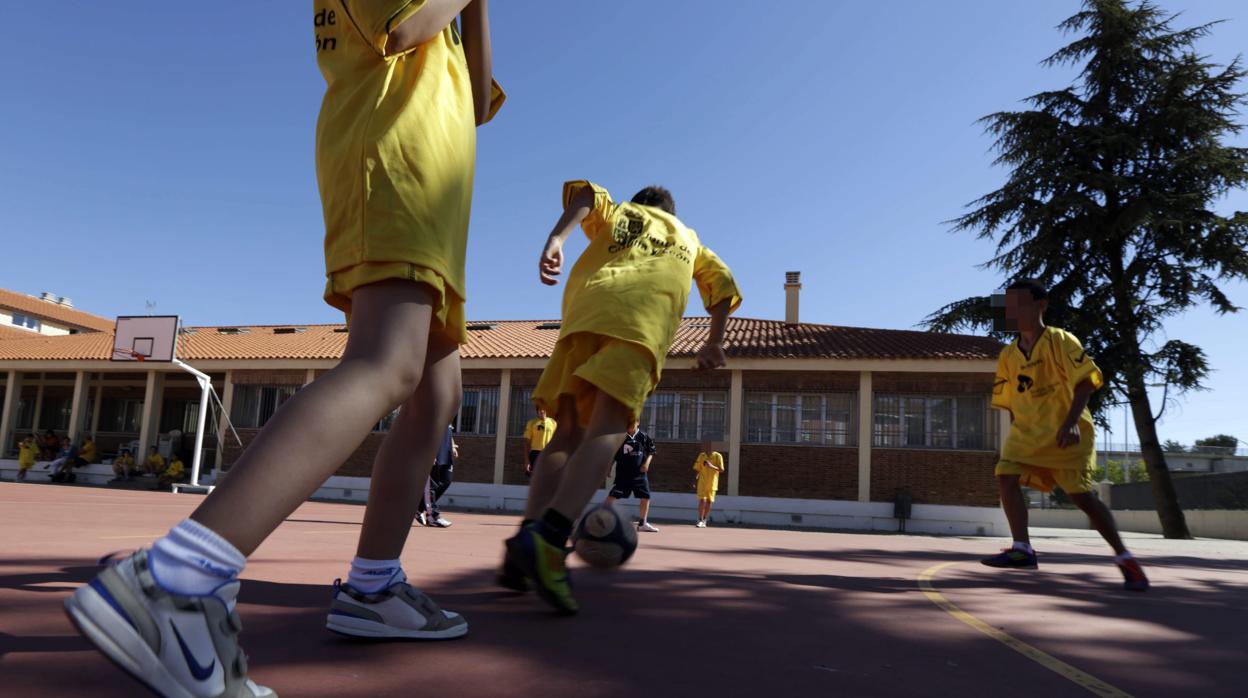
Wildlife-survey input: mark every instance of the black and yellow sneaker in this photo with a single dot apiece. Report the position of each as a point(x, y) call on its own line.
point(1013, 558)
point(545, 567)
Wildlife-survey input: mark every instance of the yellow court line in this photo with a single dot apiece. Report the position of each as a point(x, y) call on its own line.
point(1047, 661)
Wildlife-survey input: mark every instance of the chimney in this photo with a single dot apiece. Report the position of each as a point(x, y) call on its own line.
point(65, 302)
point(792, 288)
point(47, 296)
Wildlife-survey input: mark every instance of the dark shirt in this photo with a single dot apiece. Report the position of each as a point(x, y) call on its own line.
point(634, 452)
point(446, 455)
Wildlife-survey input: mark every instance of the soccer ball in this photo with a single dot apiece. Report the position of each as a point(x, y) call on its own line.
point(603, 538)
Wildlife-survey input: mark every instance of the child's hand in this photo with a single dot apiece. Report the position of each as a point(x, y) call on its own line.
point(1068, 435)
point(711, 355)
point(551, 263)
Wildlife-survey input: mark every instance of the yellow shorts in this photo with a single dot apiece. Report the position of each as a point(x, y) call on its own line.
point(1072, 481)
point(584, 361)
point(707, 491)
point(23, 467)
point(448, 309)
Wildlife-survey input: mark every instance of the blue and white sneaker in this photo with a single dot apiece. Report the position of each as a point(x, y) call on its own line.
point(399, 611)
point(178, 646)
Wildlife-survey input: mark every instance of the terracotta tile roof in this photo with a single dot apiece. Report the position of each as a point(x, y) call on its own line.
point(745, 338)
point(7, 332)
point(56, 313)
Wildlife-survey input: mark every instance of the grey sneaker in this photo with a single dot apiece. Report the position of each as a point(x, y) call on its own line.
point(179, 646)
point(400, 611)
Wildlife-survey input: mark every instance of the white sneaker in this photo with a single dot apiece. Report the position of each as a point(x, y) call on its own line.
point(441, 522)
point(399, 611)
point(420, 518)
point(647, 527)
point(179, 646)
point(701, 524)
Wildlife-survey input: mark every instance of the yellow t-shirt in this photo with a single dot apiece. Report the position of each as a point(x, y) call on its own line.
point(175, 468)
point(702, 465)
point(155, 462)
point(539, 432)
point(88, 452)
point(27, 453)
point(1038, 391)
point(395, 141)
point(632, 282)
point(124, 460)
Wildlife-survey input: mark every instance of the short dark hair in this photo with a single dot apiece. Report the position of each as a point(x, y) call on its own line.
point(1037, 289)
point(657, 197)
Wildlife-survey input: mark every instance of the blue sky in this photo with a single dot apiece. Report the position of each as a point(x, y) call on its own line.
point(163, 152)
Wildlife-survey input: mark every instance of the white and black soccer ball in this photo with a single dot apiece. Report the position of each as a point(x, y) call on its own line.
point(603, 538)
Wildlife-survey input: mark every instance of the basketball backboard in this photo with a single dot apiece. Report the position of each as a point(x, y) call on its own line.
point(145, 338)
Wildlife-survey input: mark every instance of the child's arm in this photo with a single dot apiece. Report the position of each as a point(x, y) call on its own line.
point(426, 23)
point(551, 263)
point(711, 355)
point(476, 33)
point(1068, 434)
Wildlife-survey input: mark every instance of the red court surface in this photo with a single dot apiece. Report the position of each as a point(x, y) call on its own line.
point(697, 612)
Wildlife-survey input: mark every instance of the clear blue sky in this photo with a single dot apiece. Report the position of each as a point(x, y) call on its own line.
point(164, 151)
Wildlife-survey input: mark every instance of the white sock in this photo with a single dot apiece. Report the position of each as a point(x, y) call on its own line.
point(1124, 557)
point(371, 576)
point(1025, 547)
point(193, 560)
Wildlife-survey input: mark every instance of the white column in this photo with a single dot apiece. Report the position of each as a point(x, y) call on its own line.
point(151, 413)
point(95, 410)
point(8, 415)
point(311, 376)
point(865, 421)
point(223, 431)
point(77, 405)
point(34, 420)
point(500, 439)
point(736, 417)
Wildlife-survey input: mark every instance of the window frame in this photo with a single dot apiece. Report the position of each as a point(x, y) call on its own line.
point(773, 408)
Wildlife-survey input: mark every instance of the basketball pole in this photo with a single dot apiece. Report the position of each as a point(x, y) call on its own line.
point(205, 387)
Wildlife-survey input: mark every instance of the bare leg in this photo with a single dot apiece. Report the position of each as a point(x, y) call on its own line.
point(401, 469)
point(1015, 507)
point(549, 470)
point(317, 429)
point(588, 466)
point(643, 508)
point(1101, 518)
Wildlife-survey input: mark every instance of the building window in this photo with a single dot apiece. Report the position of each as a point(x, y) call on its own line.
point(26, 413)
point(934, 422)
point(120, 416)
point(521, 410)
point(680, 415)
point(255, 404)
point(28, 321)
point(809, 419)
point(183, 416)
point(478, 412)
point(55, 414)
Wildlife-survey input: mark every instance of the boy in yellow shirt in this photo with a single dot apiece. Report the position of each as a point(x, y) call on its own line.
point(27, 453)
point(88, 453)
point(708, 465)
point(622, 306)
point(407, 83)
point(172, 473)
point(123, 465)
point(538, 432)
point(155, 463)
point(1044, 379)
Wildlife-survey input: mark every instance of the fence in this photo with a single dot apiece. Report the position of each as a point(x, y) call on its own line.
point(1224, 491)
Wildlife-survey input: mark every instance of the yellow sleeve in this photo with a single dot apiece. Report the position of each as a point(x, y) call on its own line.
point(375, 19)
point(697, 462)
point(1076, 363)
point(528, 430)
point(719, 459)
point(497, 97)
point(1001, 383)
point(715, 281)
point(599, 219)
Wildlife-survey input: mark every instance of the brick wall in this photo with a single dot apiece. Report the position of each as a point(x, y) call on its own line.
point(684, 379)
point(274, 377)
point(515, 457)
point(804, 472)
point(793, 381)
point(932, 383)
point(476, 458)
point(934, 476)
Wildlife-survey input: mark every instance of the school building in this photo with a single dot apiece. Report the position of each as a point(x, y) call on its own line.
point(802, 411)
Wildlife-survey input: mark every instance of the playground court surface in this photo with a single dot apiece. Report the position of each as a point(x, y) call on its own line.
point(697, 612)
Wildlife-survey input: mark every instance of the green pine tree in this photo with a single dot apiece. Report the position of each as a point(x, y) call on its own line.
point(1110, 200)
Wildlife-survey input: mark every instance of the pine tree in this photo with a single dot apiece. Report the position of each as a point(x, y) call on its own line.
point(1110, 201)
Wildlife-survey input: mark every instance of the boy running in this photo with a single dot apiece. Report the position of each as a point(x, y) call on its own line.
point(621, 309)
point(395, 149)
point(1044, 379)
point(28, 451)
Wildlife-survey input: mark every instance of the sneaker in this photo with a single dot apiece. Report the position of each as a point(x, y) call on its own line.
point(544, 565)
point(441, 522)
point(184, 646)
point(400, 611)
point(420, 518)
point(509, 576)
point(1133, 577)
point(647, 527)
point(1013, 558)
point(702, 523)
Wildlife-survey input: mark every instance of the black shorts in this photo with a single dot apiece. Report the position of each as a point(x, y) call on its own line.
point(533, 457)
point(635, 484)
